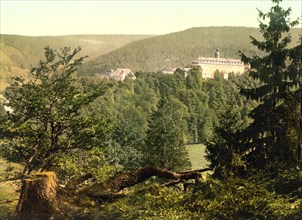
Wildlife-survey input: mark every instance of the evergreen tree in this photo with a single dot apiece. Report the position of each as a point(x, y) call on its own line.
point(266, 138)
point(167, 136)
point(223, 147)
point(294, 101)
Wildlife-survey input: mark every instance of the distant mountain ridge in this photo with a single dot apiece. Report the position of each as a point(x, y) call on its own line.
point(19, 53)
point(178, 49)
point(92, 45)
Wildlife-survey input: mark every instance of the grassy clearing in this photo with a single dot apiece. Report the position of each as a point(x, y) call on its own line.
point(9, 187)
point(8, 198)
point(196, 155)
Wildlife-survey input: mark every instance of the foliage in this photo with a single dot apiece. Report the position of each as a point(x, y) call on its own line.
point(267, 137)
point(79, 162)
point(166, 136)
point(263, 196)
point(170, 107)
point(139, 110)
point(129, 106)
point(147, 201)
point(47, 117)
point(223, 148)
point(243, 199)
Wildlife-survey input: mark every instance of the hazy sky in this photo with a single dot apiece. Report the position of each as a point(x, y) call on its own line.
point(54, 17)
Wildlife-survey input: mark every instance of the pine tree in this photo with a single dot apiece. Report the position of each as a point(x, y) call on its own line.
point(223, 148)
point(266, 137)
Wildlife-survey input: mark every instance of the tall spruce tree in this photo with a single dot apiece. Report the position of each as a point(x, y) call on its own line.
point(266, 138)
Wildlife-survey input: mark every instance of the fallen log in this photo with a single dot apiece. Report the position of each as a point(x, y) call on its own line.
point(115, 184)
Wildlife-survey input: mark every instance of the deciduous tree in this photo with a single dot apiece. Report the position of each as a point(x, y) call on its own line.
point(47, 117)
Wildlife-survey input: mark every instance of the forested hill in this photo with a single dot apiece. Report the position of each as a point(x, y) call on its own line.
point(19, 53)
point(178, 49)
point(27, 49)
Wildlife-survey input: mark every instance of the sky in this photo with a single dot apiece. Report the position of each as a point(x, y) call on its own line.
point(54, 17)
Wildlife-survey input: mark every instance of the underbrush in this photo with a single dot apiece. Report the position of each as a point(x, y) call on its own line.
point(276, 195)
point(258, 197)
point(147, 201)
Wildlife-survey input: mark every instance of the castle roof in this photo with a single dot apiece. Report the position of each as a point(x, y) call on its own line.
point(212, 60)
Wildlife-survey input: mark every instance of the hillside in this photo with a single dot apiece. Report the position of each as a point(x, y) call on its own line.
point(177, 49)
point(18, 53)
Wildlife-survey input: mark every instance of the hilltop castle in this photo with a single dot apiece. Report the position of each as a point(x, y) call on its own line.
point(210, 65)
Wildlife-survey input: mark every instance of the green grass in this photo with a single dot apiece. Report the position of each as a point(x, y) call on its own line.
point(196, 155)
point(9, 187)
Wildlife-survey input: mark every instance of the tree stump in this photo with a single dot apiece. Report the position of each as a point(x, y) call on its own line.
point(38, 198)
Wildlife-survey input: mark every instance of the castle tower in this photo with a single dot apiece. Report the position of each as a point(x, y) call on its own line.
point(216, 53)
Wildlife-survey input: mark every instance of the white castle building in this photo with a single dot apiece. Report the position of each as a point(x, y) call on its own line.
point(210, 65)
point(120, 74)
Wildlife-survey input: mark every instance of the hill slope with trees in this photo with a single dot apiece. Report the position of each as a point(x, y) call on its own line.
point(20, 53)
point(178, 49)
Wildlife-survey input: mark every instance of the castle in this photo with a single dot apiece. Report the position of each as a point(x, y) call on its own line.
point(120, 74)
point(210, 65)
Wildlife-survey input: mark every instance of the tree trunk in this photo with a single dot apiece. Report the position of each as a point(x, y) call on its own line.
point(121, 181)
point(38, 198)
point(132, 178)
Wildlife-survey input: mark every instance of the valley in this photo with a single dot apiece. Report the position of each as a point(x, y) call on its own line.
point(19, 53)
